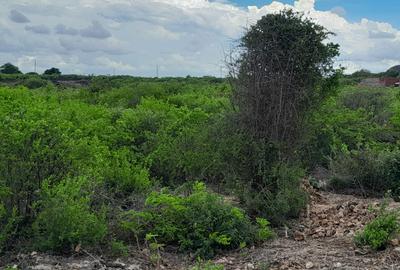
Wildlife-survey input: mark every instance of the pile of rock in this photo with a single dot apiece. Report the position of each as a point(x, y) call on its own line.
point(323, 219)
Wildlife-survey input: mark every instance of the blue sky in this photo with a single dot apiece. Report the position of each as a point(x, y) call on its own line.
point(355, 10)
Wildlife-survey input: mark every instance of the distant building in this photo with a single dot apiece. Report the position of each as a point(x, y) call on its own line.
point(381, 82)
point(389, 82)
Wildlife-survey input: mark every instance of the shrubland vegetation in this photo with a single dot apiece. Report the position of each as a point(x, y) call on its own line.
point(77, 166)
point(380, 230)
point(355, 134)
point(203, 164)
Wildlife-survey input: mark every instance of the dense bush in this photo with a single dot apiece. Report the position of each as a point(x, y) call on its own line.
point(44, 146)
point(356, 119)
point(65, 217)
point(100, 83)
point(369, 171)
point(200, 222)
point(275, 194)
point(355, 135)
point(72, 162)
point(380, 230)
point(34, 82)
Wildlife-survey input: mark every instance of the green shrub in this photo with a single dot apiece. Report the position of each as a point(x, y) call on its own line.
point(200, 222)
point(380, 230)
point(118, 248)
point(356, 119)
point(8, 226)
point(371, 99)
point(264, 231)
point(371, 171)
point(207, 266)
point(276, 194)
point(11, 267)
point(66, 219)
point(34, 82)
point(118, 140)
point(99, 84)
point(182, 152)
point(124, 174)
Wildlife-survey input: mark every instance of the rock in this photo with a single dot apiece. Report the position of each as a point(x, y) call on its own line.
point(250, 266)
point(42, 267)
point(299, 236)
point(309, 265)
point(117, 264)
point(224, 260)
point(337, 265)
point(78, 248)
point(133, 267)
point(394, 242)
point(34, 253)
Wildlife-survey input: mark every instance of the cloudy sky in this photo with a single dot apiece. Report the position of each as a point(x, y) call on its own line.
point(182, 37)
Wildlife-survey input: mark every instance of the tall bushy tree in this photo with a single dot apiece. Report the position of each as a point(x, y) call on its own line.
point(9, 68)
point(52, 71)
point(284, 68)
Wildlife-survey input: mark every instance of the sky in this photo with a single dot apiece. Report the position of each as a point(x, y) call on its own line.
point(353, 10)
point(181, 37)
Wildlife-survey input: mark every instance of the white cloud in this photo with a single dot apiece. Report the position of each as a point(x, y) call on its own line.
point(304, 5)
point(181, 36)
point(115, 65)
point(339, 11)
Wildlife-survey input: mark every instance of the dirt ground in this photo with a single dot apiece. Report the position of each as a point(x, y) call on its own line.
point(321, 239)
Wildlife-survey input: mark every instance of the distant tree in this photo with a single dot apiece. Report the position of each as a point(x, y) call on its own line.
point(9, 68)
point(100, 83)
point(52, 71)
point(362, 73)
point(284, 68)
point(32, 73)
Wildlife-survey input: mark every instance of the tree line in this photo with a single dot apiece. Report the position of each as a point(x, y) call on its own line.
point(9, 68)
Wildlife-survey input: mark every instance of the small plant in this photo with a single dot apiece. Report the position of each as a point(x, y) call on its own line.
point(155, 249)
point(208, 265)
point(380, 230)
point(66, 218)
point(118, 248)
point(14, 267)
point(263, 266)
point(201, 222)
point(264, 231)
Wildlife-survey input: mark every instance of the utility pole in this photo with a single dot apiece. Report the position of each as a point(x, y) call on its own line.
point(113, 71)
point(35, 66)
